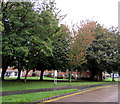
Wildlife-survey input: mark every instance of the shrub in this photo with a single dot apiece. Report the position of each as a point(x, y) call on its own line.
point(49, 75)
point(59, 77)
point(85, 78)
point(72, 77)
point(34, 74)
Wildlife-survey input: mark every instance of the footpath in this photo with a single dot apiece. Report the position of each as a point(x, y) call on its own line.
point(5, 93)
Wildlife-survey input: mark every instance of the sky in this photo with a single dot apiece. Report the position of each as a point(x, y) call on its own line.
point(104, 12)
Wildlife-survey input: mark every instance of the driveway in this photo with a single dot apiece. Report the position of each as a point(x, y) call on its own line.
point(101, 94)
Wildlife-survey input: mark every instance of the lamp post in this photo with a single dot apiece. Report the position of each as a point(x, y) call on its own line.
point(119, 27)
point(55, 77)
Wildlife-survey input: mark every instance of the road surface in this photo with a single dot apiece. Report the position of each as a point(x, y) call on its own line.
point(101, 94)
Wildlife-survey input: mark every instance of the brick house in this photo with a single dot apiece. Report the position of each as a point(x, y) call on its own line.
point(14, 72)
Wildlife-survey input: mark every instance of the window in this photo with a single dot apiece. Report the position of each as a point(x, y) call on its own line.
point(8, 74)
point(16, 73)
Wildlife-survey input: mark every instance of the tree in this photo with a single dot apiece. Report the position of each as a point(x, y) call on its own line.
point(6, 47)
point(113, 62)
point(16, 19)
point(28, 35)
point(59, 60)
point(1, 29)
point(45, 29)
point(81, 38)
point(1, 24)
point(102, 52)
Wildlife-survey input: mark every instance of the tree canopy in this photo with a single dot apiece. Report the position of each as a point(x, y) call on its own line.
point(103, 51)
point(34, 39)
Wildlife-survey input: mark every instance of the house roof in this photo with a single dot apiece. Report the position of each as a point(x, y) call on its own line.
point(11, 68)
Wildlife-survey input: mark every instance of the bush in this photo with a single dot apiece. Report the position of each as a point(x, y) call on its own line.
point(49, 75)
point(45, 75)
point(59, 77)
point(34, 74)
point(85, 78)
point(107, 75)
point(72, 77)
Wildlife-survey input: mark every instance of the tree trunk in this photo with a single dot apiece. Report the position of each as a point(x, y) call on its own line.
point(3, 73)
point(19, 73)
point(69, 76)
point(19, 69)
point(4, 69)
point(100, 76)
point(26, 76)
point(33, 73)
point(93, 75)
point(80, 75)
point(41, 75)
point(113, 77)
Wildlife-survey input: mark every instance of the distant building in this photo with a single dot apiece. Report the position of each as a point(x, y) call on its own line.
point(63, 75)
point(116, 74)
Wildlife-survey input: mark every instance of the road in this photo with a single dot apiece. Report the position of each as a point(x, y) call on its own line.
point(101, 94)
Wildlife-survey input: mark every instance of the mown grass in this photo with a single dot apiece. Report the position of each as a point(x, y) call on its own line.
point(35, 78)
point(110, 79)
point(34, 96)
point(19, 85)
point(50, 78)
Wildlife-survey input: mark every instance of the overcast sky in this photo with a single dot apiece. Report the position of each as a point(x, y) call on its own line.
point(103, 11)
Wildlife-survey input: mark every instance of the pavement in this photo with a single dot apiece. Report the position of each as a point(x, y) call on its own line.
point(5, 93)
point(100, 95)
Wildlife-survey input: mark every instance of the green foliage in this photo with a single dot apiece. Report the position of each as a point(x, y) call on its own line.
point(28, 35)
point(59, 60)
point(32, 39)
point(16, 20)
point(102, 54)
point(81, 38)
point(1, 26)
point(42, 41)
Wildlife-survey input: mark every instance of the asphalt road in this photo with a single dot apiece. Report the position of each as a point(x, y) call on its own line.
point(103, 94)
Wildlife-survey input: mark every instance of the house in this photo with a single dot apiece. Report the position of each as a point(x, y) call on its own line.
point(116, 74)
point(63, 75)
point(10, 72)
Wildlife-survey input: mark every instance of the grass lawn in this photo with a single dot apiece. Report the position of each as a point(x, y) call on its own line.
point(19, 85)
point(34, 96)
point(110, 79)
point(35, 78)
point(49, 78)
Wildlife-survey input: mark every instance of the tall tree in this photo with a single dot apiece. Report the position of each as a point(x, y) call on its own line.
point(28, 34)
point(45, 29)
point(1, 29)
point(81, 37)
point(61, 44)
point(7, 54)
point(102, 52)
point(17, 19)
